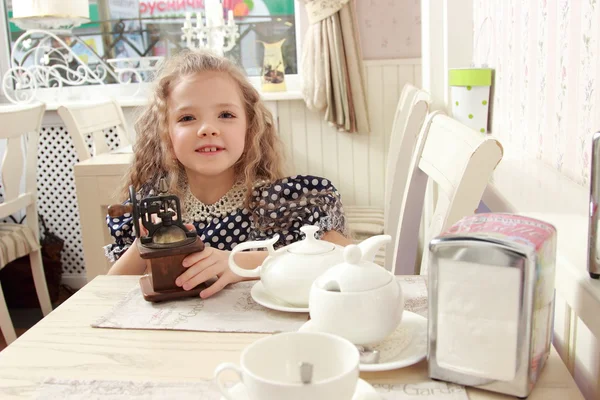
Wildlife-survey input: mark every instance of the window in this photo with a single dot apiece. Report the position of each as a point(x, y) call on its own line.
point(152, 28)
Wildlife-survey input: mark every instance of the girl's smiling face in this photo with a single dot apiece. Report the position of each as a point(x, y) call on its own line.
point(207, 124)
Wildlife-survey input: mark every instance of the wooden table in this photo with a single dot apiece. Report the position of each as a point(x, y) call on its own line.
point(64, 345)
point(97, 183)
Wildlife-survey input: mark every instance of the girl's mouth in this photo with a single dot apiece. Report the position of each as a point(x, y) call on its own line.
point(209, 150)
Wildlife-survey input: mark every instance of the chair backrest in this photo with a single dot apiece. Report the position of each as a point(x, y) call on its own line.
point(460, 161)
point(92, 119)
point(410, 114)
point(20, 126)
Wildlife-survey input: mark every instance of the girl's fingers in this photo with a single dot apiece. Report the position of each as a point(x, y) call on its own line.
point(143, 230)
point(206, 274)
point(194, 258)
point(191, 227)
point(195, 269)
point(216, 287)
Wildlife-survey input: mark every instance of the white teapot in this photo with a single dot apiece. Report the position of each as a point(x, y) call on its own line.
point(357, 299)
point(288, 273)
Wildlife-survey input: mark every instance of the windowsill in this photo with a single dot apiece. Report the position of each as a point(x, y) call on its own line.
point(527, 186)
point(126, 95)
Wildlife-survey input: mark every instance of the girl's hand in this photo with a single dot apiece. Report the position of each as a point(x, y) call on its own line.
point(204, 265)
point(211, 262)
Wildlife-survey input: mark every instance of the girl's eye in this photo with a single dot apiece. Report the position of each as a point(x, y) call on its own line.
point(185, 118)
point(226, 115)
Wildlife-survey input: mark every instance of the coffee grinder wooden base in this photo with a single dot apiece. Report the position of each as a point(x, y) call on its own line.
point(164, 266)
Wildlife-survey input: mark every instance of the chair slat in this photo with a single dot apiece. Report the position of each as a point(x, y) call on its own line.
point(94, 119)
point(12, 168)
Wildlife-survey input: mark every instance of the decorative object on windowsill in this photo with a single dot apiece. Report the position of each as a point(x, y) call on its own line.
point(164, 246)
point(471, 91)
point(213, 34)
point(43, 56)
point(491, 302)
point(273, 73)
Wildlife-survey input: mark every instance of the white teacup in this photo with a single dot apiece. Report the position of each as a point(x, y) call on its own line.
point(271, 367)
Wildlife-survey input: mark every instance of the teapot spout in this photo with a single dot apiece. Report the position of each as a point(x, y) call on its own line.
point(370, 246)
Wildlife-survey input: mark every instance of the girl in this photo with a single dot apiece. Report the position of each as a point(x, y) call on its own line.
point(207, 132)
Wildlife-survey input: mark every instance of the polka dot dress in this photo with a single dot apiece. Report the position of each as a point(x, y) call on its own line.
point(281, 207)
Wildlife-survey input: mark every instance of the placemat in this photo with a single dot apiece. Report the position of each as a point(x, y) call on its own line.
point(231, 310)
point(414, 289)
point(77, 389)
point(423, 390)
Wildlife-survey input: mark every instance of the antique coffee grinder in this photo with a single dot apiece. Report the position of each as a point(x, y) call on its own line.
point(166, 244)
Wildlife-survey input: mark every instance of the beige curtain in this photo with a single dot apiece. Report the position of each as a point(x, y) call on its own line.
point(332, 67)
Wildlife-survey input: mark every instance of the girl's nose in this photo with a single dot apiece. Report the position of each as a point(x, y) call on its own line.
point(207, 130)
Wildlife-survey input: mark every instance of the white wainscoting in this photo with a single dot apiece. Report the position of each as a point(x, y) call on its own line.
point(355, 163)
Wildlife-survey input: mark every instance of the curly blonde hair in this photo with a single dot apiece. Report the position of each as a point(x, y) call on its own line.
point(154, 157)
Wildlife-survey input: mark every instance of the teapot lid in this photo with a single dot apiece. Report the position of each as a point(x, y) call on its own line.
point(354, 274)
point(310, 245)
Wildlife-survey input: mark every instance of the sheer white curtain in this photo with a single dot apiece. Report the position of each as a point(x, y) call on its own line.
point(332, 65)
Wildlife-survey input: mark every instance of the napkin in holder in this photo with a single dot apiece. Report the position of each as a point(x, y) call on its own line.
point(491, 307)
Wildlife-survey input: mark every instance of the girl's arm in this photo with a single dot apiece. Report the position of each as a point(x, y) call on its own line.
point(336, 238)
point(250, 259)
point(130, 263)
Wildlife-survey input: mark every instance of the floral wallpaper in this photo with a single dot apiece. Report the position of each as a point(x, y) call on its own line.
point(547, 86)
point(389, 28)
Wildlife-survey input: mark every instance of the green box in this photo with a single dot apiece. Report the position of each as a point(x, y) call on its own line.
point(470, 77)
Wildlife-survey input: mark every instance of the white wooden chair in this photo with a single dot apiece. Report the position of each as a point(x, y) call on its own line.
point(367, 221)
point(92, 119)
point(460, 161)
point(20, 127)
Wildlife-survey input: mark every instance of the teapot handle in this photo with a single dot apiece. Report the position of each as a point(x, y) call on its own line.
point(257, 244)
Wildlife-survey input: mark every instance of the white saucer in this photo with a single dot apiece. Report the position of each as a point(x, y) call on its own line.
point(362, 388)
point(406, 346)
point(262, 297)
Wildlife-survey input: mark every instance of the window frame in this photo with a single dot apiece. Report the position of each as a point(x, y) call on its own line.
point(293, 81)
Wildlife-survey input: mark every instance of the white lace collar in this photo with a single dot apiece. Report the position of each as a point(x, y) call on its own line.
point(195, 210)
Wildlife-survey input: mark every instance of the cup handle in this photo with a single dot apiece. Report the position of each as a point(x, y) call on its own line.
point(224, 367)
